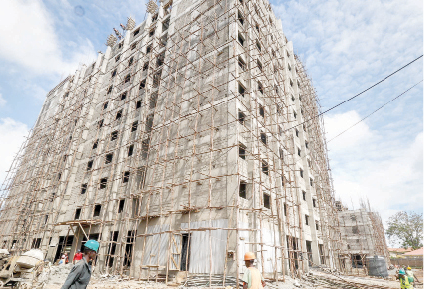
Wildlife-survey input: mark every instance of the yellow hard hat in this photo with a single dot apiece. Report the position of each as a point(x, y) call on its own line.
point(249, 256)
point(409, 268)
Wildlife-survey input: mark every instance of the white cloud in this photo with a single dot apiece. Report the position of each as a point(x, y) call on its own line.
point(358, 42)
point(29, 39)
point(2, 100)
point(12, 136)
point(382, 167)
point(337, 123)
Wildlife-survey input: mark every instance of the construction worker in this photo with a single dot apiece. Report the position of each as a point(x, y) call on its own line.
point(252, 278)
point(64, 259)
point(411, 275)
point(77, 256)
point(80, 274)
point(404, 281)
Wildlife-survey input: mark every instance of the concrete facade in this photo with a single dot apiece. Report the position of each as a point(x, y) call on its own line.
point(184, 145)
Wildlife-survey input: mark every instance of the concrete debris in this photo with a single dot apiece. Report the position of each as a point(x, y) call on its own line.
point(21, 270)
point(34, 253)
point(27, 262)
point(44, 275)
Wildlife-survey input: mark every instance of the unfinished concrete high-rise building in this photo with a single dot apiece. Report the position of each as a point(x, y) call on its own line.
point(194, 138)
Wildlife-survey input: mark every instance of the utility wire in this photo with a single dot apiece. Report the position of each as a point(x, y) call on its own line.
point(353, 97)
point(391, 100)
point(306, 154)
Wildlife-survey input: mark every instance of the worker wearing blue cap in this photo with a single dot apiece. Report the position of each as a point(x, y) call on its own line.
point(80, 274)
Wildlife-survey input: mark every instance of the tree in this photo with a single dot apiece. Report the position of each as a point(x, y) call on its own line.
point(406, 228)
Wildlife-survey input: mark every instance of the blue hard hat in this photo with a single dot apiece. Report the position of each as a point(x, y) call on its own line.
point(93, 245)
point(401, 272)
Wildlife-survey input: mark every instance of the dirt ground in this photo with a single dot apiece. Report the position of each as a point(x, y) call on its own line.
point(54, 277)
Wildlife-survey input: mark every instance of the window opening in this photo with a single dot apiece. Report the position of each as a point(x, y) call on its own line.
point(242, 151)
point(121, 205)
point(126, 177)
point(265, 167)
point(260, 87)
point(77, 215)
point(242, 64)
point(130, 150)
point(263, 138)
point(266, 200)
point(240, 39)
point(118, 114)
point(134, 126)
point(261, 110)
point(241, 89)
point(84, 188)
point(242, 117)
point(242, 190)
point(103, 183)
point(97, 210)
point(109, 158)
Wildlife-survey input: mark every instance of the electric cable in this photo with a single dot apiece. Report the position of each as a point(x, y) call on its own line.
point(355, 96)
point(391, 100)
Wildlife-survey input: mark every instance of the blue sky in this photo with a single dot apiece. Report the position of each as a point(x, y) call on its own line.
point(346, 45)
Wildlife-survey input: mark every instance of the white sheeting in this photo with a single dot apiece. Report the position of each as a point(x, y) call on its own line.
point(200, 246)
point(268, 248)
point(156, 247)
point(269, 255)
point(243, 247)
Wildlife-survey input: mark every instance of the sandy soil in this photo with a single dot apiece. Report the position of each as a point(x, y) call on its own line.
point(53, 278)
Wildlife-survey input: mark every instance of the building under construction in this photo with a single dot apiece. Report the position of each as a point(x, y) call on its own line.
point(363, 232)
point(194, 138)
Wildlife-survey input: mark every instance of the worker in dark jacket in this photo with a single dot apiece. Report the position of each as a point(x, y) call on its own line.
point(80, 274)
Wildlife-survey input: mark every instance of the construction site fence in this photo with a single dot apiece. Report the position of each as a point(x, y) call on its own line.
point(412, 262)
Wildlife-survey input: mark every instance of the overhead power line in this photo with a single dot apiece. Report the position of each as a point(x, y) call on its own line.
point(391, 100)
point(306, 154)
point(365, 90)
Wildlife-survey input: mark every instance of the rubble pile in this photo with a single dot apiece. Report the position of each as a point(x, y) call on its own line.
point(17, 270)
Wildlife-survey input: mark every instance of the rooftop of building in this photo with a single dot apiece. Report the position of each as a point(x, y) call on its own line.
point(400, 250)
point(418, 252)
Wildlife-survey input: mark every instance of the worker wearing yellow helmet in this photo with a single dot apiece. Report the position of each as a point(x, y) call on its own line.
point(252, 278)
point(411, 275)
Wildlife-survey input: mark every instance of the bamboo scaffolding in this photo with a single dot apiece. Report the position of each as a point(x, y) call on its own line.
point(162, 101)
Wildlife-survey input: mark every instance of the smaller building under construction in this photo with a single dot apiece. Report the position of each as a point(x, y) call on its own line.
point(363, 232)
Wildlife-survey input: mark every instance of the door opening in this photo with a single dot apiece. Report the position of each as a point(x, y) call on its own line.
point(185, 252)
